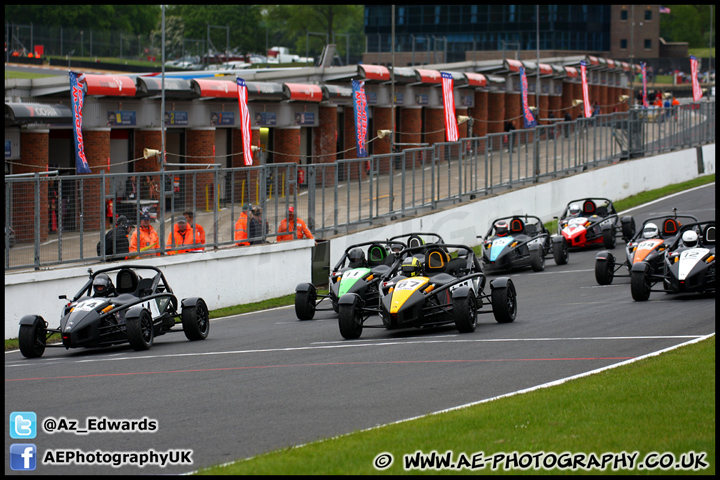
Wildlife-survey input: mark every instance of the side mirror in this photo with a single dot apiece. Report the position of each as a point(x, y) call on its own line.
point(62, 297)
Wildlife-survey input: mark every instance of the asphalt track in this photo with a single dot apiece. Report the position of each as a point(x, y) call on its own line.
point(265, 380)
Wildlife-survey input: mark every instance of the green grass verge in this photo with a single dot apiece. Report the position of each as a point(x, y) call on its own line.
point(660, 404)
point(620, 206)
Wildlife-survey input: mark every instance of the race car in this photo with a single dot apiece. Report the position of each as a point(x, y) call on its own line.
point(594, 221)
point(357, 272)
point(688, 265)
point(520, 241)
point(647, 245)
point(134, 310)
point(437, 291)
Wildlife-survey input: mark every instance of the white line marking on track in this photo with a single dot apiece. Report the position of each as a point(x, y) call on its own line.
point(380, 343)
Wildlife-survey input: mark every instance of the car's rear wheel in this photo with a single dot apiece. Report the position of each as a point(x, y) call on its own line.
point(537, 260)
point(504, 302)
point(140, 331)
point(31, 338)
point(608, 236)
point(465, 312)
point(350, 319)
point(640, 284)
point(196, 321)
point(561, 252)
point(305, 304)
point(605, 270)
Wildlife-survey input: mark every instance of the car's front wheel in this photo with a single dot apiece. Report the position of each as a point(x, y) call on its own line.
point(305, 304)
point(504, 302)
point(350, 319)
point(140, 331)
point(640, 284)
point(605, 270)
point(561, 252)
point(537, 260)
point(608, 236)
point(465, 311)
point(196, 321)
point(31, 338)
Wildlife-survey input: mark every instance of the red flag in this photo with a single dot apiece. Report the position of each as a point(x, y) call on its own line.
point(696, 91)
point(586, 96)
point(245, 121)
point(449, 101)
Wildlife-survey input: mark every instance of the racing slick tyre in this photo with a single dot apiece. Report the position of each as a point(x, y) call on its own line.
point(140, 331)
point(608, 236)
point(465, 311)
point(605, 269)
point(640, 284)
point(561, 252)
point(537, 260)
point(504, 302)
point(350, 319)
point(196, 321)
point(305, 303)
point(31, 338)
point(627, 227)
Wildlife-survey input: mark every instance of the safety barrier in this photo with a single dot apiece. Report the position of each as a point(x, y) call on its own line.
point(55, 220)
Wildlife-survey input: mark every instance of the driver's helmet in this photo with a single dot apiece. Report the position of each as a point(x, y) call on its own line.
point(356, 257)
point(103, 286)
point(690, 238)
point(650, 231)
point(574, 210)
point(501, 228)
point(411, 267)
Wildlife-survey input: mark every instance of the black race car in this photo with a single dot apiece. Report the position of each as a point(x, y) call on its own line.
point(134, 310)
point(520, 241)
point(647, 245)
point(594, 221)
point(357, 272)
point(688, 264)
point(436, 291)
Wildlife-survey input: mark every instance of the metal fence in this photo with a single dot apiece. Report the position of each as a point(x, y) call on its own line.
point(58, 219)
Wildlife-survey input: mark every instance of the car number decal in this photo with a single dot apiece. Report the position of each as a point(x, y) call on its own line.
point(498, 245)
point(410, 284)
point(688, 260)
point(88, 305)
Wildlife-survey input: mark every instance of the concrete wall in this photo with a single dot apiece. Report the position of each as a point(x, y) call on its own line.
point(223, 278)
point(244, 275)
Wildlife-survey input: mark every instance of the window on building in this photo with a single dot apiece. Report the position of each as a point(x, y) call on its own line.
point(648, 44)
point(623, 43)
point(648, 14)
point(623, 14)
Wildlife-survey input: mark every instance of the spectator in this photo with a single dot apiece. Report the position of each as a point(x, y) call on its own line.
point(291, 224)
point(152, 188)
point(241, 226)
point(509, 127)
point(181, 234)
point(567, 119)
point(256, 225)
point(148, 237)
point(131, 188)
point(596, 109)
point(116, 240)
point(198, 230)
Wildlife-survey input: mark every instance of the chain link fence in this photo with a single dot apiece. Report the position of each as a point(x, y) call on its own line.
point(60, 219)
